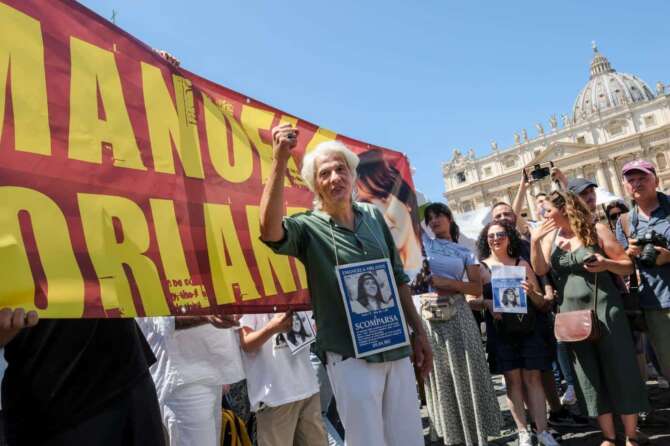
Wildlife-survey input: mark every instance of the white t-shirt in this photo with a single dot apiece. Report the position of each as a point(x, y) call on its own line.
point(274, 375)
point(203, 354)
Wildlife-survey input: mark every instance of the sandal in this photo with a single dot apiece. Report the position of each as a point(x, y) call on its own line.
point(610, 440)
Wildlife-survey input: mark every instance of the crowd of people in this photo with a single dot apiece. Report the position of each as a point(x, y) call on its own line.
point(164, 380)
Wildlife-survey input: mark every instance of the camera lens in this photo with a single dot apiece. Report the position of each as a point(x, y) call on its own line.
point(648, 255)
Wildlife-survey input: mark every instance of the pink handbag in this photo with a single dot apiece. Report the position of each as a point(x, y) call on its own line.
point(581, 325)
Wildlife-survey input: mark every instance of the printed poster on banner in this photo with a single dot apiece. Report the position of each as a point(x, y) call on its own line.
point(302, 332)
point(508, 295)
point(371, 300)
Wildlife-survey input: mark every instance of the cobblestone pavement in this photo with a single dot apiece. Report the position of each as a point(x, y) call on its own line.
point(657, 426)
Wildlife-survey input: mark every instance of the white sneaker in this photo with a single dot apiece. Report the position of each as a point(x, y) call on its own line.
point(569, 398)
point(546, 439)
point(525, 438)
point(662, 383)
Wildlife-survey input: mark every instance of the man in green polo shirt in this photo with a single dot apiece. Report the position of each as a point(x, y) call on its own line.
point(376, 396)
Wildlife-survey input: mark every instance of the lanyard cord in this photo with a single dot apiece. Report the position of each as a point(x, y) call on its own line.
point(332, 236)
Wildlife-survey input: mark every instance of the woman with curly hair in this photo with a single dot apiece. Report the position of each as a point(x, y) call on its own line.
point(517, 344)
point(582, 256)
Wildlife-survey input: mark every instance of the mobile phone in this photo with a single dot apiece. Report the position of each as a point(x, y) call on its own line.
point(591, 258)
point(539, 171)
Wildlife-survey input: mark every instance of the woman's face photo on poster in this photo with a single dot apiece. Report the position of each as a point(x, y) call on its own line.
point(382, 185)
point(510, 297)
point(369, 291)
point(301, 332)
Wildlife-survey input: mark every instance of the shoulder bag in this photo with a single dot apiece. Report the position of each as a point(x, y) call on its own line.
point(580, 325)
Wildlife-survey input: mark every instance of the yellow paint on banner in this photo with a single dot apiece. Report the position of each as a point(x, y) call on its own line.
point(228, 266)
point(108, 254)
point(64, 281)
point(321, 135)
point(94, 71)
point(172, 255)
point(238, 167)
point(253, 120)
point(21, 45)
point(169, 125)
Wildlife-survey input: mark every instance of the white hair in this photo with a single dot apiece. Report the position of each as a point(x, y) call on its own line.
point(308, 171)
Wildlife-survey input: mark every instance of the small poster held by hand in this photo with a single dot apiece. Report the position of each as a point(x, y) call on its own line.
point(508, 294)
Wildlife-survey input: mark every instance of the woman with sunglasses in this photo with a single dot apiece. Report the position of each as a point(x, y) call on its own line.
point(582, 256)
point(613, 212)
point(519, 351)
point(461, 401)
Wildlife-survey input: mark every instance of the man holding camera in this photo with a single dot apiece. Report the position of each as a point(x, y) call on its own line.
point(645, 233)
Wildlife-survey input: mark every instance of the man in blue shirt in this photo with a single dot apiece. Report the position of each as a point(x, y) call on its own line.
point(651, 212)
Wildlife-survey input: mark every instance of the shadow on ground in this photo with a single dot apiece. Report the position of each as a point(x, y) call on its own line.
point(656, 426)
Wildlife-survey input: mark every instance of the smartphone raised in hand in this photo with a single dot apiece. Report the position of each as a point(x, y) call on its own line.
point(590, 258)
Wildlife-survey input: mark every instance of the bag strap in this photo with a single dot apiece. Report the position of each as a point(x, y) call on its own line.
point(664, 201)
point(595, 298)
point(625, 224)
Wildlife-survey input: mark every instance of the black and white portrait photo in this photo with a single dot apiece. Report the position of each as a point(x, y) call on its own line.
point(302, 332)
point(369, 291)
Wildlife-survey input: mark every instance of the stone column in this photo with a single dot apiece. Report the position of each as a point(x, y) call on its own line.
point(536, 189)
point(509, 195)
point(602, 178)
point(530, 202)
point(615, 179)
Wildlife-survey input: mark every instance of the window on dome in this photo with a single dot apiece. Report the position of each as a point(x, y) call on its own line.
point(661, 162)
point(460, 177)
point(649, 120)
point(581, 140)
point(487, 171)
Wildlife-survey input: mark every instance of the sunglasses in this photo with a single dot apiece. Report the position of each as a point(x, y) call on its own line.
point(496, 235)
point(615, 216)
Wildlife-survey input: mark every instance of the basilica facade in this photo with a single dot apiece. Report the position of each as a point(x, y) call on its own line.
point(615, 118)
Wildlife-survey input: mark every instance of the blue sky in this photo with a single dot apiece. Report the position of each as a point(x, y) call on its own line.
point(419, 77)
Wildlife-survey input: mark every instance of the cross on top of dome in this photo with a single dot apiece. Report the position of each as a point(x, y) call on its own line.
point(599, 64)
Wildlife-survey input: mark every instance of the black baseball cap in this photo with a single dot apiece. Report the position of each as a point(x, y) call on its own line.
point(579, 185)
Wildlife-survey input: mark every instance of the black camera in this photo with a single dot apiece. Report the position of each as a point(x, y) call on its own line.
point(540, 171)
point(647, 242)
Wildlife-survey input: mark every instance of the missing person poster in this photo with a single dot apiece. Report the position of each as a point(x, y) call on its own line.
point(371, 299)
point(508, 294)
point(302, 332)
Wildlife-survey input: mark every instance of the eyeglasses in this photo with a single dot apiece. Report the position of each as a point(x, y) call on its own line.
point(497, 235)
point(615, 216)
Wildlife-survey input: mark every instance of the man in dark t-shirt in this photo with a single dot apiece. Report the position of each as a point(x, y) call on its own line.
point(77, 382)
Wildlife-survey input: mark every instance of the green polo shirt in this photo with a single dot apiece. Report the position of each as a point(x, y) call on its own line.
point(309, 237)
